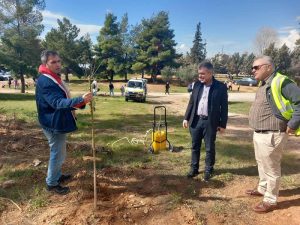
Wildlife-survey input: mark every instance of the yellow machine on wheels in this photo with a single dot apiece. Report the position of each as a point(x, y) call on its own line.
point(160, 132)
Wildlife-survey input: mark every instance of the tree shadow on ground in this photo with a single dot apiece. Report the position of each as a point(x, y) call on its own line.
point(289, 203)
point(245, 171)
point(16, 97)
point(148, 183)
point(289, 192)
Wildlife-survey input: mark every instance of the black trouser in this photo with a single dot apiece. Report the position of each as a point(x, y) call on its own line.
point(201, 129)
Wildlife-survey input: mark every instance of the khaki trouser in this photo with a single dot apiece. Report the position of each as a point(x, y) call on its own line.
point(268, 152)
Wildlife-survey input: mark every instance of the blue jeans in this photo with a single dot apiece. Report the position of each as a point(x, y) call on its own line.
point(201, 129)
point(57, 144)
point(111, 92)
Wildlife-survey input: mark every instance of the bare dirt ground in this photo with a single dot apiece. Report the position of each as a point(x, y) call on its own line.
point(139, 195)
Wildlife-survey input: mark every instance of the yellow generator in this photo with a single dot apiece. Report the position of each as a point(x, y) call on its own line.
point(160, 132)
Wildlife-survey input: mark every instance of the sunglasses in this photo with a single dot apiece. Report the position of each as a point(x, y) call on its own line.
point(258, 67)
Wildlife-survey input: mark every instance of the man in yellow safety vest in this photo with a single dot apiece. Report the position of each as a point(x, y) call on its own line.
point(273, 116)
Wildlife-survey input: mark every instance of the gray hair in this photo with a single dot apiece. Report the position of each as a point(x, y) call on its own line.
point(207, 65)
point(45, 55)
point(266, 58)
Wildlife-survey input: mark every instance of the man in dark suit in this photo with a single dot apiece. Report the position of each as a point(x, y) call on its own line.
point(206, 113)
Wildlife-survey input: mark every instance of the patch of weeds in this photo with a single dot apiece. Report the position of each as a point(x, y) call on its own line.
point(175, 200)
point(191, 190)
point(2, 206)
point(219, 208)
point(201, 219)
point(225, 177)
point(78, 154)
point(39, 199)
point(290, 181)
point(15, 174)
point(137, 164)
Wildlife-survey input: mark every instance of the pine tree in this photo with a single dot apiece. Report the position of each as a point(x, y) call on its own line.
point(283, 60)
point(109, 48)
point(64, 39)
point(198, 51)
point(20, 26)
point(155, 45)
point(128, 52)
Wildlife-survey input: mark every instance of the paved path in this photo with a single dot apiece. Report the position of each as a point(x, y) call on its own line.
point(234, 97)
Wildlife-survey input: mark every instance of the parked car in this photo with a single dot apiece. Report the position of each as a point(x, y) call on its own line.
point(248, 81)
point(136, 90)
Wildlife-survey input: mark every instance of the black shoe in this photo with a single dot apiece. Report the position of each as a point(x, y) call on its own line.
point(207, 176)
point(192, 174)
point(59, 189)
point(64, 178)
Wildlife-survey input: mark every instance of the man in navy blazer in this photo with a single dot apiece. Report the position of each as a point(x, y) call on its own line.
point(56, 114)
point(206, 113)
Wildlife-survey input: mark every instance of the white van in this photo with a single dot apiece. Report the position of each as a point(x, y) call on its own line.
point(136, 89)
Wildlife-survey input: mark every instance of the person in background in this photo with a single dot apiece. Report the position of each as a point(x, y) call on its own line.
point(95, 88)
point(122, 89)
point(167, 90)
point(16, 83)
point(111, 88)
point(9, 82)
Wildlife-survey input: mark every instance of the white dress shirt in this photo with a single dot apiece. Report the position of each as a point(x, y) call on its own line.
point(203, 103)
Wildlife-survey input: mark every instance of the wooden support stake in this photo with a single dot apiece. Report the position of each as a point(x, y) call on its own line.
point(93, 146)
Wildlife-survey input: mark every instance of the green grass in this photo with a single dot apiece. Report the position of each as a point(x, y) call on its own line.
point(21, 106)
point(116, 119)
point(239, 107)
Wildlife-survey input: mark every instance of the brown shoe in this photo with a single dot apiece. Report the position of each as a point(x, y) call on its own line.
point(253, 193)
point(264, 207)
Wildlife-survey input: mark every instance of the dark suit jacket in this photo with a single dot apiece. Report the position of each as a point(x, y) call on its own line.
point(217, 104)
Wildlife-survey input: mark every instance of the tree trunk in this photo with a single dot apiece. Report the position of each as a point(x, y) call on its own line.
point(22, 83)
point(111, 76)
point(126, 78)
point(67, 77)
point(153, 78)
point(143, 74)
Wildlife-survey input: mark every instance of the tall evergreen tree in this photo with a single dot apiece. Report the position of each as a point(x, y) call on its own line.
point(20, 26)
point(234, 64)
point(109, 48)
point(128, 51)
point(295, 64)
point(220, 62)
point(198, 51)
point(283, 59)
point(64, 39)
point(271, 51)
point(155, 45)
point(246, 67)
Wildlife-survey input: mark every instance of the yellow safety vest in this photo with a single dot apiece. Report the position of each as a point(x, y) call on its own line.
point(283, 104)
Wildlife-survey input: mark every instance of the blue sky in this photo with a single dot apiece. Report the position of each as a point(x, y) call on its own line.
point(228, 25)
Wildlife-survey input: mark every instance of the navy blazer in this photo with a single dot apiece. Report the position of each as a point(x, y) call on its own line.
point(53, 106)
point(217, 104)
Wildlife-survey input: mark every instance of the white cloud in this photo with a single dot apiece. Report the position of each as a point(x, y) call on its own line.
point(183, 48)
point(290, 39)
point(50, 18)
point(88, 28)
point(286, 30)
point(50, 21)
point(298, 18)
